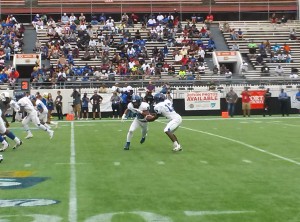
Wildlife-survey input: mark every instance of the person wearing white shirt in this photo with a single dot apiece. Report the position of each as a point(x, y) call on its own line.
point(145, 65)
point(82, 27)
point(279, 70)
point(58, 30)
point(228, 74)
point(160, 31)
point(32, 116)
point(178, 58)
point(201, 68)
point(244, 66)
point(201, 53)
point(159, 18)
point(72, 18)
point(152, 22)
point(165, 108)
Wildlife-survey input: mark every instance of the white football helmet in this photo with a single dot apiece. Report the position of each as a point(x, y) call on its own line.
point(4, 95)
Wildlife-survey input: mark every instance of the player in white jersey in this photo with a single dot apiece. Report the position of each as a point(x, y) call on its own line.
point(42, 112)
point(5, 104)
point(164, 107)
point(136, 106)
point(27, 106)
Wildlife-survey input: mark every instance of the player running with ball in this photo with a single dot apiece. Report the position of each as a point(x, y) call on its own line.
point(142, 110)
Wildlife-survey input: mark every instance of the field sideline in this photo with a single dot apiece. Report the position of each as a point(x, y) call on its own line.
point(232, 170)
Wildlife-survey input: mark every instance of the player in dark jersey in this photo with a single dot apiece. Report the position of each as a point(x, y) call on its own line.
point(96, 99)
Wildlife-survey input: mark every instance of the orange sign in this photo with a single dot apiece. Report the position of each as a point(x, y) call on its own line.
point(27, 56)
point(229, 53)
point(25, 85)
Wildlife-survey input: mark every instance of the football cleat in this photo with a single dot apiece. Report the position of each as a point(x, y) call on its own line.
point(51, 133)
point(177, 148)
point(127, 145)
point(18, 144)
point(143, 140)
point(29, 135)
point(4, 147)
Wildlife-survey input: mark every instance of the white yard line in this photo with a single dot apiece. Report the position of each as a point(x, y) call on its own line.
point(215, 212)
point(244, 144)
point(73, 192)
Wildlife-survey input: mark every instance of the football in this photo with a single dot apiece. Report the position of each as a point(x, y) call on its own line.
point(151, 117)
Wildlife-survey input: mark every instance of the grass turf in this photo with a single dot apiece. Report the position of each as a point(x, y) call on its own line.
point(228, 171)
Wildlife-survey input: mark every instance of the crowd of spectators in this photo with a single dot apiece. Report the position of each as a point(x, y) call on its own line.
point(11, 42)
point(73, 41)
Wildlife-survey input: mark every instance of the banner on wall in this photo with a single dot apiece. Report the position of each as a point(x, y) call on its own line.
point(202, 101)
point(257, 99)
point(295, 103)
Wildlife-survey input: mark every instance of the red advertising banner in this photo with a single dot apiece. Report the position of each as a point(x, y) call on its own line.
point(257, 99)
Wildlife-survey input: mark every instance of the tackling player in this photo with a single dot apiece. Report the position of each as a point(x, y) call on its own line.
point(5, 104)
point(32, 116)
point(164, 107)
point(136, 106)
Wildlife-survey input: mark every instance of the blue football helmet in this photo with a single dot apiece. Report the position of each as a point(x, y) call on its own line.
point(40, 107)
point(136, 101)
point(159, 97)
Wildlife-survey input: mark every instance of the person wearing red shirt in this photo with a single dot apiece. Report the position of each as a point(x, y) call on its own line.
point(246, 102)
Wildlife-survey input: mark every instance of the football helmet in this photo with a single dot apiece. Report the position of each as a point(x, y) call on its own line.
point(136, 101)
point(4, 96)
point(159, 97)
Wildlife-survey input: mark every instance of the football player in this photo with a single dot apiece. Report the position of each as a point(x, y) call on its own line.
point(42, 110)
point(164, 107)
point(5, 104)
point(32, 116)
point(138, 107)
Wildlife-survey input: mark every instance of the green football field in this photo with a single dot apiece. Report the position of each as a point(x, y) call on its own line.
point(230, 170)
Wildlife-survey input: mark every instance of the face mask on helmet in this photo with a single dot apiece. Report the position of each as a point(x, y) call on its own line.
point(159, 97)
point(136, 101)
point(5, 97)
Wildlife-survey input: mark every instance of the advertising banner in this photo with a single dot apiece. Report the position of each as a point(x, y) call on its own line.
point(257, 99)
point(202, 100)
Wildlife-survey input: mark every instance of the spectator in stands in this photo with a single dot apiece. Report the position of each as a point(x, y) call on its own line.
point(211, 45)
point(293, 34)
point(268, 46)
point(209, 19)
point(216, 70)
point(235, 47)
point(244, 66)
point(259, 60)
point(279, 70)
point(182, 74)
point(294, 75)
point(102, 19)
point(82, 18)
point(288, 58)
point(286, 48)
point(151, 22)
point(7, 51)
point(265, 70)
point(201, 69)
point(273, 19)
point(64, 18)
point(223, 69)
point(283, 19)
point(233, 35)
point(228, 74)
point(35, 20)
point(13, 77)
point(277, 48)
point(135, 18)
point(86, 56)
point(252, 48)
point(178, 58)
